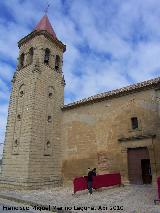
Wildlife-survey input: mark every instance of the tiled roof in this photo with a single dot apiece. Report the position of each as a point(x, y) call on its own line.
point(115, 93)
point(45, 24)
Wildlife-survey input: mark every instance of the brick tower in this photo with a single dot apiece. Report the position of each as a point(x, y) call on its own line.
point(32, 149)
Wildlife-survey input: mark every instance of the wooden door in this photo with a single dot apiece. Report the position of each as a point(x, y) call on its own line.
point(135, 157)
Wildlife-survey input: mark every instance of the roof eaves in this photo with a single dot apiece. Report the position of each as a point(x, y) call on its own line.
point(41, 32)
point(115, 93)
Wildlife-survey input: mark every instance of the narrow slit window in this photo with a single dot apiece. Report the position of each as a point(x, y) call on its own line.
point(16, 142)
point(50, 94)
point(134, 122)
point(19, 117)
point(47, 148)
point(50, 91)
point(49, 119)
point(48, 144)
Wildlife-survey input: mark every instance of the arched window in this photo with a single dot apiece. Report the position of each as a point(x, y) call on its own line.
point(50, 91)
point(47, 55)
point(16, 143)
point(15, 147)
point(31, 52)
point(47, 148)
point(21, 60)
point(21, 90)
point(48, 144)
point(57, 63)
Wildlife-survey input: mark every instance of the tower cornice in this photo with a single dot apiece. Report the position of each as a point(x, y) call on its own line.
point(45, 34)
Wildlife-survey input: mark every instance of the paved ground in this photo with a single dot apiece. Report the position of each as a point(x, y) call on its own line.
point(128, 199)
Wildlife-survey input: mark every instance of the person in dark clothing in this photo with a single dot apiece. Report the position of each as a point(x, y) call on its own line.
point(90, 180)
point(94, 172)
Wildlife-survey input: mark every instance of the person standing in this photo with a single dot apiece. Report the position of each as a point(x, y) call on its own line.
point(90, 180)
point(94, 172)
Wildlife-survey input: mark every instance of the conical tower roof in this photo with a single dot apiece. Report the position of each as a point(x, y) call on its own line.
point(45, 24)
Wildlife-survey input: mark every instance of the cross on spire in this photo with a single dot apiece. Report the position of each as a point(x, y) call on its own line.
point(46, 10)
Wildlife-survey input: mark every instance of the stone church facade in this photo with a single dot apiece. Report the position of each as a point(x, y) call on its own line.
point(48, 143)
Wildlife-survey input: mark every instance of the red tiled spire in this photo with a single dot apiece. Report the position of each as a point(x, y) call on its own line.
point(45, 24)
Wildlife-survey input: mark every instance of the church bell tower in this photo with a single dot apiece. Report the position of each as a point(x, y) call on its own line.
point(32, 149)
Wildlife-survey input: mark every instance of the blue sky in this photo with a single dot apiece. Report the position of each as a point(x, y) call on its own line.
point(110, 44)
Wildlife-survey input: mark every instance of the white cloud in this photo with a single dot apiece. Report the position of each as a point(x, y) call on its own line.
point(146, 59)
point(3, 86)
point(6, 71)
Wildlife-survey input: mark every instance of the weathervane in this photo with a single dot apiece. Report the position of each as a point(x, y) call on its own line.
point(46, 10)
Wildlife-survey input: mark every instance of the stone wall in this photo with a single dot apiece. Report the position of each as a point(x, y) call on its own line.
point(32, 150)
point(98, 134)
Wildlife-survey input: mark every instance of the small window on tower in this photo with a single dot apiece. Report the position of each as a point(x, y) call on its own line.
point(15, 148)
point(19, 117)
point(48, 144)
point(134, 122)
point(21, 60)
point(46, 57)
point(49, 119)
point(50, 91)
point(21, 90)
point(50, 94)
point(16, 142)
point(21, 93)
point(57, 63)
point(47, 148)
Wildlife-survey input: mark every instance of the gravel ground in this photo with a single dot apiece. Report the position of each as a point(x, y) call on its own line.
point(130, 199)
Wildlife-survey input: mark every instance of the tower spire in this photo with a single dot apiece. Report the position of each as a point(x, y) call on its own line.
point(45, 24)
